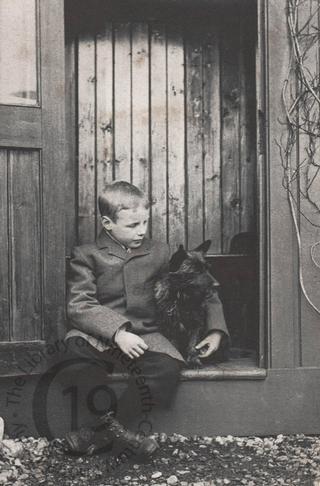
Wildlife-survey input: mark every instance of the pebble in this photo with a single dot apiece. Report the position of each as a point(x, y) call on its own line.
point(182, 455)
point(10, 448)
point(208, 440)
point(5, 476)
point(163, 437)
point(172, 480)
point(156, 475)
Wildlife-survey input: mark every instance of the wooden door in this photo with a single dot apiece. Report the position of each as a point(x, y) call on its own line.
point(32, 165)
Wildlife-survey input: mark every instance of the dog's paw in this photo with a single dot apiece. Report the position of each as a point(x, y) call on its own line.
point(193, 361)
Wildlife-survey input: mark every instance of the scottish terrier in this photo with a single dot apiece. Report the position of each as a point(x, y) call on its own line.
point(181, 296)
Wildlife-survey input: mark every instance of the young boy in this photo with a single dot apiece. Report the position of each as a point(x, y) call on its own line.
point(111, 304)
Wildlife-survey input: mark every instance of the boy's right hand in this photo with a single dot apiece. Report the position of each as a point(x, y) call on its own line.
point(130, 344)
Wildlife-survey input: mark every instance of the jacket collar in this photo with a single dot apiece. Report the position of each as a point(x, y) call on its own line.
point(116, 249)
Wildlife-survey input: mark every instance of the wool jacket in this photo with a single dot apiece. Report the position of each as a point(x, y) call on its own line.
point(109, 287)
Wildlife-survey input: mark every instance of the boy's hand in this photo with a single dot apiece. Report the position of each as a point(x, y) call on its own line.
point(130, 344)
point(210, 344)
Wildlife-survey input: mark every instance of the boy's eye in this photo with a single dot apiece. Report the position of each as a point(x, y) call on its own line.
point(133, 225)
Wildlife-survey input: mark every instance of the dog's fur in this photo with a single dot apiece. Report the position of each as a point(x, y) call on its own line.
point(181, 296)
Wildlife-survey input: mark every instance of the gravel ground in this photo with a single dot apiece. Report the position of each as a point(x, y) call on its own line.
point(185, 461)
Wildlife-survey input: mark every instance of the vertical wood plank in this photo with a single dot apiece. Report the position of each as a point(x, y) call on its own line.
point(283, 252)
point(4, 248)
point(140, 106)
point(247, 130)
point(72, 162)
point(53, 161)
point(86, 113)
point(158, 79)
point(176, 137)
point(24, 183)
point(104, 129)
point(122, 101)
point(230, 134)
point(310, 188)
point(211, 141)
point(194, 108)
point(262, 192)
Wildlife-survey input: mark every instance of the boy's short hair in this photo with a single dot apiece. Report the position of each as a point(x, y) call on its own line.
point(120, 195)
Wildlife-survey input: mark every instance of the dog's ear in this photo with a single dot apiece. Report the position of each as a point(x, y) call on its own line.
point(204, 247)
point(177, 258)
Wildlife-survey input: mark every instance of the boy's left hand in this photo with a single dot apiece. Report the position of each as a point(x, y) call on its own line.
point(210, 344)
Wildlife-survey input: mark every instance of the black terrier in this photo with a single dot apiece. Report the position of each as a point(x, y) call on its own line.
point(181, 296)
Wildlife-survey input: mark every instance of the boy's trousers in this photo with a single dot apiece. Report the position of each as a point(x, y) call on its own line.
point(154, 386)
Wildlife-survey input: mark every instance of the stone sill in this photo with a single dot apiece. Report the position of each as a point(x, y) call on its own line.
point(235, 369)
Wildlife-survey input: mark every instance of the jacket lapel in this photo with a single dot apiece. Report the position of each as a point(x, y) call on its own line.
point(144, 249)
point(105, 242)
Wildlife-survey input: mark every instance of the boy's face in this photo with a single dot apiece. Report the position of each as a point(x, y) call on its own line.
point(130, 227)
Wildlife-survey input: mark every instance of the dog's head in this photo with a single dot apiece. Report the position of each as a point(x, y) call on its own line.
point(190, 272)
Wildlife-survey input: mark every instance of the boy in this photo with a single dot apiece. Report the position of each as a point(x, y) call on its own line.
point(111, 304)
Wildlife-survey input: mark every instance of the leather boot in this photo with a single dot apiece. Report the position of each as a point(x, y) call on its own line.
point(143, 447)
point(88, 440)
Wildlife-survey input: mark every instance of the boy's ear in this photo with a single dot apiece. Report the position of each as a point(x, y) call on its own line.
point(204, 247)
point(106, 222)
point(177, 258)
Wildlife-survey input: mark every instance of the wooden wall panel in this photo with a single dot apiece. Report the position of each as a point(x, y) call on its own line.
point(282, 244)
point(122, 101)
point(158, 142)
point(171, 108)
point(20, 245)
point(176, 138)
point(212, 141)
point(24, 184)
point(71, 181)
point(247, 131)
point(140, 106)
point(4, 248)
point(230, 163)
point(104, 107)
point(194, 114)
point(86, 121)
point(308, 328)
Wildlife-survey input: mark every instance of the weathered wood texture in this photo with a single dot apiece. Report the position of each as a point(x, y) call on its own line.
point(283, 298)
point(21, 249)
point(170, 107)
point(32, 167)
point(308, 323)
point(53, 159)
point(261, 188)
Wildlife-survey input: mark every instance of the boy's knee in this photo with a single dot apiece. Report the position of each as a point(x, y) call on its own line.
point(169, 368)
point(161, 367)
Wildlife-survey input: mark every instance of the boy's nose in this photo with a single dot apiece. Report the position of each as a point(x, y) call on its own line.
point(141, 230)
